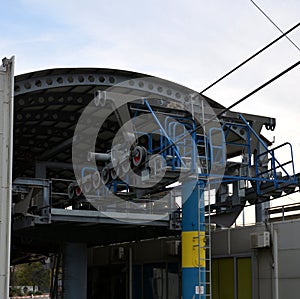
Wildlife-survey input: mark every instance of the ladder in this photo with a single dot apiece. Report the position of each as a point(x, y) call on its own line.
point(204, 288)
point(204, 198)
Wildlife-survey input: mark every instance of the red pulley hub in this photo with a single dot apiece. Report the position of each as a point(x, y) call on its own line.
point(138, 155)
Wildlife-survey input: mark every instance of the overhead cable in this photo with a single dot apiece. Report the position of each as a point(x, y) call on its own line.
point(229, 107)
point(259, 88)
point(251, 57)
point(261, 10)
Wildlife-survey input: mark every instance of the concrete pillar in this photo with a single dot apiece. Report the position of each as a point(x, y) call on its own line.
point(75, 271)
point(193, 228)
point(6, 152)
point(260, 208)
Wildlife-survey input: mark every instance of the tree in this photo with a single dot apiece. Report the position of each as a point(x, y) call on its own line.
point(34, 274)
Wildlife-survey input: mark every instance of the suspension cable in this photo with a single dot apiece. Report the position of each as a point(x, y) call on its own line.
point(228, 108)
point(269, 18)
point(251, 57)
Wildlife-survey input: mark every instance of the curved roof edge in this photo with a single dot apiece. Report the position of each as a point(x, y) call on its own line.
point(117, 72)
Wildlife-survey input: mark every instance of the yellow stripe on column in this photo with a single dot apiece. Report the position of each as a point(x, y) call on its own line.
point(190, 246)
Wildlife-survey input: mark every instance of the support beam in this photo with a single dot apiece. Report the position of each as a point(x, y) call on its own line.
point(260, 208)
point(42, 166)
point(130, 274)
point(59, 148)
point(6, 135)
point(75, 271)
point(193, 238)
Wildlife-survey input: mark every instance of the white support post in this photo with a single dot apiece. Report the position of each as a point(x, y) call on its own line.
point(6, 134)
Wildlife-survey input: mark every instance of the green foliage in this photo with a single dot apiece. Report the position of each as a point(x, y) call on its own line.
point(14, 292)
point(38, 293)
point(34, 274)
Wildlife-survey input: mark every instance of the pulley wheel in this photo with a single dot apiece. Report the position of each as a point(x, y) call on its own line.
point(96, 179)
point(71, 191)
point(138, 155)
point(105, 175)
point(87, 186)
point(115, 172)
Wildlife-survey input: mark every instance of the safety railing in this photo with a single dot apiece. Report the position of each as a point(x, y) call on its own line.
point(273, 171)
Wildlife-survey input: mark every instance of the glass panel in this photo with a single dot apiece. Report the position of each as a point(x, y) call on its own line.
point(226, 274)
point(223, 278)
point(154, 281)
point(215, 279)
point(244, 275)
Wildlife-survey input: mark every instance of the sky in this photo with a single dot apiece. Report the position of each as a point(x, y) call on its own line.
point(192, 42)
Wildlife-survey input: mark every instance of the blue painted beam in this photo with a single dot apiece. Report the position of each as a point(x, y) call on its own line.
point(193, 235)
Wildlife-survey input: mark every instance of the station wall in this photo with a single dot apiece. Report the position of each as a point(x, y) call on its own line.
point(239, 271)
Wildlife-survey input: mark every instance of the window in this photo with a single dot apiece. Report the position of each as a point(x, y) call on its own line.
point(232, 278)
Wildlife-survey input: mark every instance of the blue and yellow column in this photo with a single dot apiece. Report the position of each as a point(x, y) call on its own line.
point(193, 228)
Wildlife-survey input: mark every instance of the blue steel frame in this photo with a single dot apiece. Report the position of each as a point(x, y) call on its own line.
point(216, 154)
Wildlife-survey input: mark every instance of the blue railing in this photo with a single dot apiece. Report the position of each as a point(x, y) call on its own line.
point(275, 171)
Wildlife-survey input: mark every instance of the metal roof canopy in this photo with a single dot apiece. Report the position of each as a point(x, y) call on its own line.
point(48, 104)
